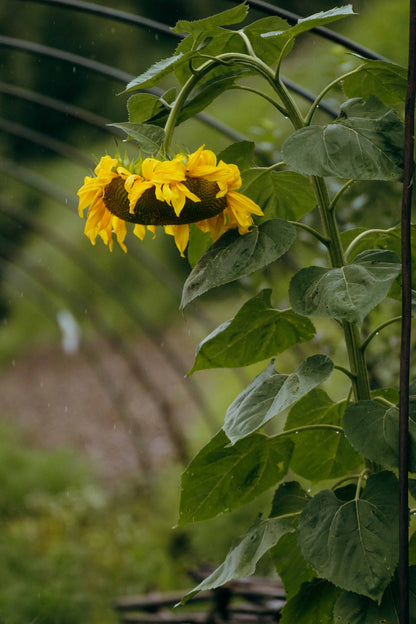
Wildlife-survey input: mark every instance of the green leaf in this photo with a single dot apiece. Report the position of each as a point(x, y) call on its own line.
point(225, 18)
point(354, 544)
point(282, 194)
point(317, 19)
point(412, 488)
point(289, 498)
point(290, 565)
point(143, 106)
point(373, 430)
point(383, 239)
point(346, 293)
point(379, 239)
point(320, 454)
point(224, 477)
point(211, 43)
point(234, 256)
point(386, 81)
point(271, 393)
point(208, 89)
point(412, 550)
point(313, 604)
point(149, 137)
point(256, 333)
point(240, 154)
point(243, 557)
point(267, 46)
point(355, 609)
point(364, 143)
point(199, 243)
point(159, 70)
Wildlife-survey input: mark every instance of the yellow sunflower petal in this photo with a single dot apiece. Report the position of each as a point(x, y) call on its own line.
point(180, 234)
point(241, 204)
point(139, 231)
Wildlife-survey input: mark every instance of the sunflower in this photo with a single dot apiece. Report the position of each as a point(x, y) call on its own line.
point(190, 188)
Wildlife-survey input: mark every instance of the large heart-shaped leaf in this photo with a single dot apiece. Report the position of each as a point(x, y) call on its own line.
point(243, 557)
point(282, 194)
point(373, 430)
point(313, 604)
point(234, 256)
point(241, 154)
point(320, 454)
point(355, 609)
point(387, 81)
point(346, 293)
point(354, 543)
point(224, 477)
point(271, 393)
point(257, 332)
point(380, 239)
point(364, 143)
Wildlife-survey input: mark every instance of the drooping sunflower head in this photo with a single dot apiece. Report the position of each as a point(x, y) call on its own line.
point(190, 188)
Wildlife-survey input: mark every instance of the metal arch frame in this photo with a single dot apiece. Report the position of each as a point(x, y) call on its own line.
point(107, 284)
point(119, 405)
point(119, 345)
point(131, 18)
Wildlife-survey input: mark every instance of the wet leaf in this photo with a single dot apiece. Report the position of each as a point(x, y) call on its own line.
point(243, 557)
point(234, 256)
point(256, 333)
point(354, 543)
point(224, 477)
point(271, 393)
point(364, 143)
point(347, 293)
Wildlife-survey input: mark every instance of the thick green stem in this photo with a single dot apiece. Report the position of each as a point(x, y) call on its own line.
point(325, 91)
point(352, 338)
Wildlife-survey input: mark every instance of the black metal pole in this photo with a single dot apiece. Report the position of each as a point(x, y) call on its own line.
point(406, 322)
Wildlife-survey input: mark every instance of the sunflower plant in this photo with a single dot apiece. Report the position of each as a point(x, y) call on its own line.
point(330, 463)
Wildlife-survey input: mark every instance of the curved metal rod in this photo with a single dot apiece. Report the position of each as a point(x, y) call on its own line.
point(68, 57)
point(112, 72)
point(44, 140)
point(114, 14)
point(61, 107)
point(321, 31)
point(109, 72)
point(117, 399)
point(51, 282)
point(131, 18)
point(105, 281)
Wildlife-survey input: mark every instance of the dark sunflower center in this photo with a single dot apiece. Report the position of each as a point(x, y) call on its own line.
point(150, 211)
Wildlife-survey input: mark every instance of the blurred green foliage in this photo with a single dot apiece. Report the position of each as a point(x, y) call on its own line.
point(70, 546)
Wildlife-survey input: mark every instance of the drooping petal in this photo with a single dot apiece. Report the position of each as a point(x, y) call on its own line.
point(139, 231)
point(180, 234)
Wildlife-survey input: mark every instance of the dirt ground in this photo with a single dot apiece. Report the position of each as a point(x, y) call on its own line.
point(127, 412)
